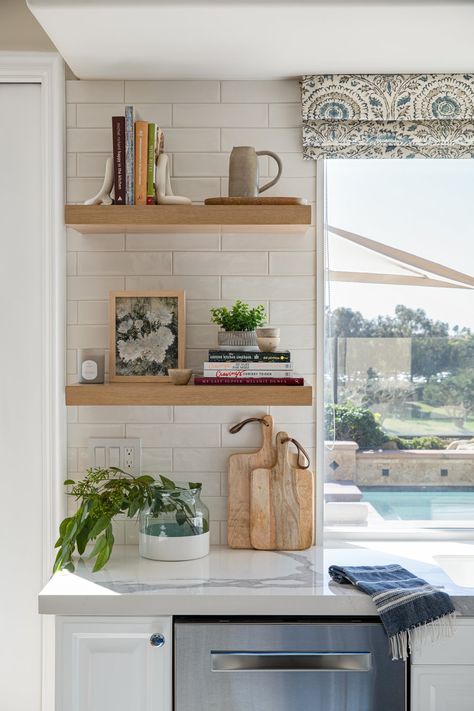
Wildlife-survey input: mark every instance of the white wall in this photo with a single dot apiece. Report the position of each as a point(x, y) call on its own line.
point(202, 120)
point(21, 396)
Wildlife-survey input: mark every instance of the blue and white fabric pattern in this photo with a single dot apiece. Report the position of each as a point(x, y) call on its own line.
point(411, 610)
point(388, 116)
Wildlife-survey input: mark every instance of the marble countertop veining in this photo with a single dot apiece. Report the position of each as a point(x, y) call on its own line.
point(243, 582)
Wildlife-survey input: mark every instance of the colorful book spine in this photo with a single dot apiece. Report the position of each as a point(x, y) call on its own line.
point(254, 365)
point(118, 142)
point(159, 147)
point(198, 380)
point(129, 155)
point(150, 180)
point(141, 145)
point(216, 356)
point(245, 373)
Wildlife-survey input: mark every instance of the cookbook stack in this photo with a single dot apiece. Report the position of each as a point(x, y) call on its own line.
point(248, 368)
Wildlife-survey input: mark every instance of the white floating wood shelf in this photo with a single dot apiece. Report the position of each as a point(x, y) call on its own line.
point(102, 219)
point(169, 394)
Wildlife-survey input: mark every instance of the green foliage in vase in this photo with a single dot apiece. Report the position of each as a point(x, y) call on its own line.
point(240, 317)
point(101, 495)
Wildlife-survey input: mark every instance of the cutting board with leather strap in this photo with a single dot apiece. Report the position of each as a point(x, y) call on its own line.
point(281, 503)
point(240, 466)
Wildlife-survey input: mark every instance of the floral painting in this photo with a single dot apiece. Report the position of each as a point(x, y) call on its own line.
point(147, 331)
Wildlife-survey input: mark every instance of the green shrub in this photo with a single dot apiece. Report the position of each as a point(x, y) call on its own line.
point(356, 424)
point(420, 443)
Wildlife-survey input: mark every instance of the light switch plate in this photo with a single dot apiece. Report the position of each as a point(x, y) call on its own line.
point(123, 453)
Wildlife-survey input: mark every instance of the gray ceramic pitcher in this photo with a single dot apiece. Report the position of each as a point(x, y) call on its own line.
point(243, 171)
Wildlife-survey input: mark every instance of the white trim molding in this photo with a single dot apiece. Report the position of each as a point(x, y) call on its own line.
point(47, 69)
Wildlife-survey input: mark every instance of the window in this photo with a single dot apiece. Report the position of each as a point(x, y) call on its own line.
point(399, 345)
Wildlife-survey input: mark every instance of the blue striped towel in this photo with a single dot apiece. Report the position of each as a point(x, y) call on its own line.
point(411, 610)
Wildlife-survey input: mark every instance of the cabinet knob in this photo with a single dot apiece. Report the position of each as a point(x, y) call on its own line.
point(157, 640)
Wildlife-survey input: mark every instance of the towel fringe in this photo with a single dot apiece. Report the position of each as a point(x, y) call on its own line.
point(413, 638)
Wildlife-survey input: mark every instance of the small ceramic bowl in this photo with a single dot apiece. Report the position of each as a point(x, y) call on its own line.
point(268, 344)
point(180, 376)
point(268, 332)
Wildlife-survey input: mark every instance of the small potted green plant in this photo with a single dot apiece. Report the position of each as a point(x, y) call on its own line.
point(238, 324)
point(104, 493)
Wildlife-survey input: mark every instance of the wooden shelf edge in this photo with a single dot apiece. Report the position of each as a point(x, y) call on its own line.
point(135, 218)
point(119, 394)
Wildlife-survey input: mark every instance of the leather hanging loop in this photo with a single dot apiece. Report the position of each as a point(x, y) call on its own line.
point(301, 451)
point(236, 428)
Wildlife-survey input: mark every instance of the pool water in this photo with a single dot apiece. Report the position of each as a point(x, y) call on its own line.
point(422, 504)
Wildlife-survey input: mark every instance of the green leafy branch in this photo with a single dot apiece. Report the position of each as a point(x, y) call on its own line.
point(104, 493)
point(240, 317)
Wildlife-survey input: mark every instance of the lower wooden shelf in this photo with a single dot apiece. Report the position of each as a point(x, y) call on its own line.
point(169, 394)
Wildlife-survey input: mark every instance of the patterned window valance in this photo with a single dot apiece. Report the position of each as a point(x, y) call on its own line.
point(388, 116)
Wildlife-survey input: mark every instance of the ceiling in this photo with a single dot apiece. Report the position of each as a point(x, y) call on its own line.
point(257, 39)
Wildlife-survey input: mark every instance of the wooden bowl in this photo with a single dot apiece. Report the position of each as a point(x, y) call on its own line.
point(180, 376)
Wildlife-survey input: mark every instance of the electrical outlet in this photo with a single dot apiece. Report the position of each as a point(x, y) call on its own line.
point(116, 452)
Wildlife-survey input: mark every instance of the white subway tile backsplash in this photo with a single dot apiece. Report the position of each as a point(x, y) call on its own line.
point(90, 288)
point(196, 189)
point(175, 435)
point(131, 414)
point(285, 115)
point(71, 263)
point(191, 140)
point(70, 117)
point(79, 434)
point(171, 91)
point(302, 312)
point(123, 263)
point(297, 263)
point(201, 337)
point(93, 140)
point(196, 287)
point(91, 165)
point(94, 243)
point(284, 287)
point(221, 263)
point(176, 242)
point(81, 189)
point(247, 241)
point(213, 265)
point(274, 139)
point(98, 115)
point(93, 312)
point(220, 115)
point(87, 336)
point(257, 91)
point(94, 91)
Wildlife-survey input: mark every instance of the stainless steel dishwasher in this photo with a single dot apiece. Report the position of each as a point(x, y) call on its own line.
point(276, 665)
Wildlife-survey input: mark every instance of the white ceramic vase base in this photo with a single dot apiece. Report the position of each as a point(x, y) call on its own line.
point(173, 548)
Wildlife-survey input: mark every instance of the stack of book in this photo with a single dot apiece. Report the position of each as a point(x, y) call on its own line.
point(136, 146)
point(248, 368)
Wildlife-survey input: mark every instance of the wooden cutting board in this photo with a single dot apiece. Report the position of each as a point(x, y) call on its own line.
point(281, 503)
point(240, 466)
point(255, 201)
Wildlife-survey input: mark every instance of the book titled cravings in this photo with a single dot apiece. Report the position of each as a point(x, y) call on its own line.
point(245, 373)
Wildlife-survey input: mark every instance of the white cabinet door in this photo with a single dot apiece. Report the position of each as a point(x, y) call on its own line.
point(438, 688)
point(111, 664)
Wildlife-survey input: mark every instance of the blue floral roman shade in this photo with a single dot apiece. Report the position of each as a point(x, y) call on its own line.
point(388, 116)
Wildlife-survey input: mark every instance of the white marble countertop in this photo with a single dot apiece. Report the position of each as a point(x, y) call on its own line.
point(242, 582)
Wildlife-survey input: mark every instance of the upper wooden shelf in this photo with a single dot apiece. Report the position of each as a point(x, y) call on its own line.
point(169, 394)
point(100, 219)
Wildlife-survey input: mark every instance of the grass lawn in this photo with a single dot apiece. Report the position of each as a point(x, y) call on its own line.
point(423, 428)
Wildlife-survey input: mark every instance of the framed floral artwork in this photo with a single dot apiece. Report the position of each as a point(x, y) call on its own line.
point(147, 334)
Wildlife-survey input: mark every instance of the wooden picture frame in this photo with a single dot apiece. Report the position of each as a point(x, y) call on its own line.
point(146, 335)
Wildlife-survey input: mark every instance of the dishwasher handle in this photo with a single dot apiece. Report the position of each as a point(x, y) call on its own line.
point(289, 661)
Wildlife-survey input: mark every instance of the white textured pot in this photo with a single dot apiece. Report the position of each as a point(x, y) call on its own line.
point(237, 339)
point(173, 547)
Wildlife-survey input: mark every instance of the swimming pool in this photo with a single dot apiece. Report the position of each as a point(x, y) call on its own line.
point(422, 504)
